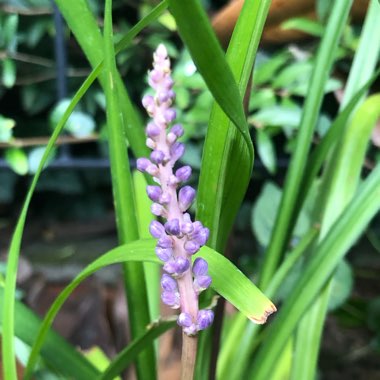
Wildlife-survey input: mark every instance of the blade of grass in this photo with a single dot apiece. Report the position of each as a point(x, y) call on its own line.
point(340, 181)
point(196, 31)
point(321, 70)
point(329, 252)
point(14, 249)
point(124, 203)
point(234, 359)
point(319, 155)
point(55, 351)
point(339, 184)
point(88, 35)
point(365, 59)
point(249, 300)
point(144, 217)
point(227, 157)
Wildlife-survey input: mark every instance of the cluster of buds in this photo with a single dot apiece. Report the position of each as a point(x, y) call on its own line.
point(178, 238)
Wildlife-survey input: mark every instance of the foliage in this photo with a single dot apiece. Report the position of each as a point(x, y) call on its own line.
point(301, 224)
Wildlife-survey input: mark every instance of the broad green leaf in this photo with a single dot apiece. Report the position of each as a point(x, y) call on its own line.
point(266, 151)
point(55, 350)
point(341, 285)
point(327, 255)
point(265, 71)
point(227, 281)
point(6, 128)
point(17, 160)
point(9, 73)
point(264, 215)
point(14, 250)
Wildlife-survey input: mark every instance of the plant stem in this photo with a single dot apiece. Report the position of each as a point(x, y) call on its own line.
point(189, 354)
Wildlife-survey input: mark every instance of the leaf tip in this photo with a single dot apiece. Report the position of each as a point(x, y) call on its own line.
point(264, 316)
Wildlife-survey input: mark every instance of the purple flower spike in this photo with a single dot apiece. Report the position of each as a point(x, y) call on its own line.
point(185, 197)
point(154, 193)
point(168, 283)
point(184, 173)
point(177, 236)
point(205, 318)
point(185, 320)
point(172, 227)
point(156, 229)
point(200, 267)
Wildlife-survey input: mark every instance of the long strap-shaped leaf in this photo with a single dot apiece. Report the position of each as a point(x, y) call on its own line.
point(329, 252)
point(196, 31)
point(226, 161)
point(227, 281)
point(321, 71)
point(56, 351)
point(124, 203)
point(14, 250)
point(83, 24)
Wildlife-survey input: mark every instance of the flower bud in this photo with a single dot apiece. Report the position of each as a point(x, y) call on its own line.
point(183, 173)
point(172, 227)
point(200, 267)
point(165, 241)
point(205, 318)
point(154, 192)
point(170, 115)
point(168, 283)
point(177, 129)
point(157, 209)
point(191, 247)
point(156, 229)
point(185, 320)
point(142, 164)
point(201, 283)
point(171, 299)
point(177, 150)
point(157, 156)
point(153, 130)
point(185, 197)
point(164, 254)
